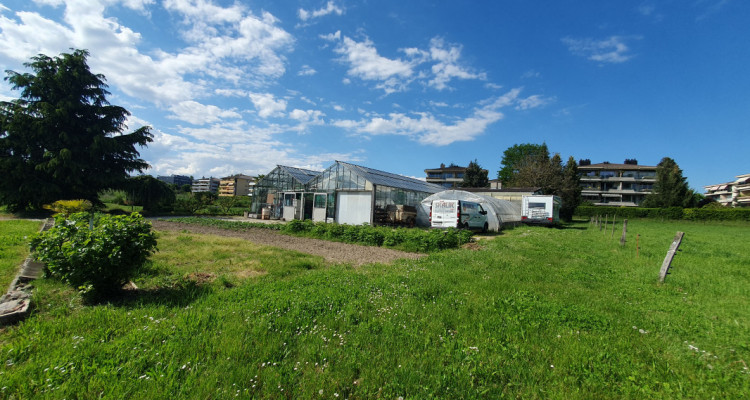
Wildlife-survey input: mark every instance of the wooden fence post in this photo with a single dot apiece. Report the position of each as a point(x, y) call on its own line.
point(624, 231)
point(670, 255)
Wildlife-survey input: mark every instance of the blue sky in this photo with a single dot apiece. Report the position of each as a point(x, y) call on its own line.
point(239, 87)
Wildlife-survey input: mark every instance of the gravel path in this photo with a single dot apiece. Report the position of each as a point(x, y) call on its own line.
point(333, 252)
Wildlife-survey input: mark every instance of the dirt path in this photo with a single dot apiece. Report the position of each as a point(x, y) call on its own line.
point(333, 252)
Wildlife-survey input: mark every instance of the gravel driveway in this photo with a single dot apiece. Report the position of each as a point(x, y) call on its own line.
point(333, 252)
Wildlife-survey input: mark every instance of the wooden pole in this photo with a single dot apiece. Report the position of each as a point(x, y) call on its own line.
point(624, 231)
point(670, 255)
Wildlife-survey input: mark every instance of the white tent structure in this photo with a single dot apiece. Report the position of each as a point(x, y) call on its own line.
point(499, 212)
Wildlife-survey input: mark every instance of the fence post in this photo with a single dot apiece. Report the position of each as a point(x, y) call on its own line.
point(624, 231)
point(670, 255)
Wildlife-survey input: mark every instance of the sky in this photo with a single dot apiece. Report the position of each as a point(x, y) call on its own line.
point(242, 86)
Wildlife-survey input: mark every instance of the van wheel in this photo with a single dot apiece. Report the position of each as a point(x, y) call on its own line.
point(485, 227)
point(466, 225)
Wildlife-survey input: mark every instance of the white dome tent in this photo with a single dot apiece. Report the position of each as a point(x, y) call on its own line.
point(499, 212)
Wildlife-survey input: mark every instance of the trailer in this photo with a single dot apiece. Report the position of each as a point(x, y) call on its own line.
point(540, 209)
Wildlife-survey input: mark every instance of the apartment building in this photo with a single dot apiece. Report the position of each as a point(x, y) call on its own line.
point(236, 185)
point(731, 194)
point(447, 177)
point(606, 184)
point(205, 185)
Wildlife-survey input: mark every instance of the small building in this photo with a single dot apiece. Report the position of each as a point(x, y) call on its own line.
point(236, 185)
point(608, 184)
point(731, 194)
point(447, 177)
point(178, 180)
point(204, 184)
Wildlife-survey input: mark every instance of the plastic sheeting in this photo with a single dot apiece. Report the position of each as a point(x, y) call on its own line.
point(498, 211)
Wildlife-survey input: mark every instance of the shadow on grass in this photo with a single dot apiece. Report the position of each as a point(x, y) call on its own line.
point(179, 295)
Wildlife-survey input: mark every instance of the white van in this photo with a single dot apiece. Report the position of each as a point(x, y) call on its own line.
point(543, 210)
point(458, 214)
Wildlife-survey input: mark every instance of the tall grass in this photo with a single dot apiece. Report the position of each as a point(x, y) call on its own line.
point(534, 313)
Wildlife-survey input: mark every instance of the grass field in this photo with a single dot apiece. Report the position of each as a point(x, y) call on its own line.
point(14, 247)
point(533, 313)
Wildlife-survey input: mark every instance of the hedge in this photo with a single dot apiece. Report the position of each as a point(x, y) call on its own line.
point(674, 213)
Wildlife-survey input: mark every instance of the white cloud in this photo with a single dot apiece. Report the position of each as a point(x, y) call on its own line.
point(395, 74)
point(611, 50)
point(330, 8)
point(267, 105)
point(426, 128)
point(308, 116)
point(447, 66)
point(307, 71)
point(200, 114)
point(223, 43)
point(533, 101)
point(365, 63)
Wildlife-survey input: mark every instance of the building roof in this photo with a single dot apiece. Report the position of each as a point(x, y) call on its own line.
point(503, 190)
point(449, 168)
point(239, 176)
point(393, 180)
point(300, 174)
point(617, 166)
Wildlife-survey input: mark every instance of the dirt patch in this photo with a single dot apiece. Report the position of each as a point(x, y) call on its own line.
point(332, 252)
point(472, 246)
point(201, 277)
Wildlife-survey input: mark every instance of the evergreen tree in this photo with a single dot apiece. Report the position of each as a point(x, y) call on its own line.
point(570, 190)
point(62, 139)
point(475, 176)
point(670, 188)
point(151, 193)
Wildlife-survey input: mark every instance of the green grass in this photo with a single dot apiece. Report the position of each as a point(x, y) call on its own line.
point(14, 247)
point(534, 313)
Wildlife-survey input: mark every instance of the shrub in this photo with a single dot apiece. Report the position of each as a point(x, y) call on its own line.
point(67, 207)
point(95, 253)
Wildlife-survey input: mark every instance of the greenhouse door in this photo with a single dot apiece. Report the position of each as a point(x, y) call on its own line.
point(353, 208)
point(290, 206)
point(319, 207)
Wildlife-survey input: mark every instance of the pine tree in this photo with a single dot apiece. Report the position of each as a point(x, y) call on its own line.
point(62, 139)
point(670, 188)
point(475, 176)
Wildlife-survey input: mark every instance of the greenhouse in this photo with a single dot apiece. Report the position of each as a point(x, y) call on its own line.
point(344, 193)
point(499, 212)
point(353, 194)
point(279, 192)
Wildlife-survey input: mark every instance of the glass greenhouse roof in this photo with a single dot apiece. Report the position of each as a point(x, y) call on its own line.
point(300, 174)
point(393, 180)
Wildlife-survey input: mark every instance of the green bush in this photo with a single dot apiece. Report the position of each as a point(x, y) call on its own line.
point(95, 253)
point(673, 213)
